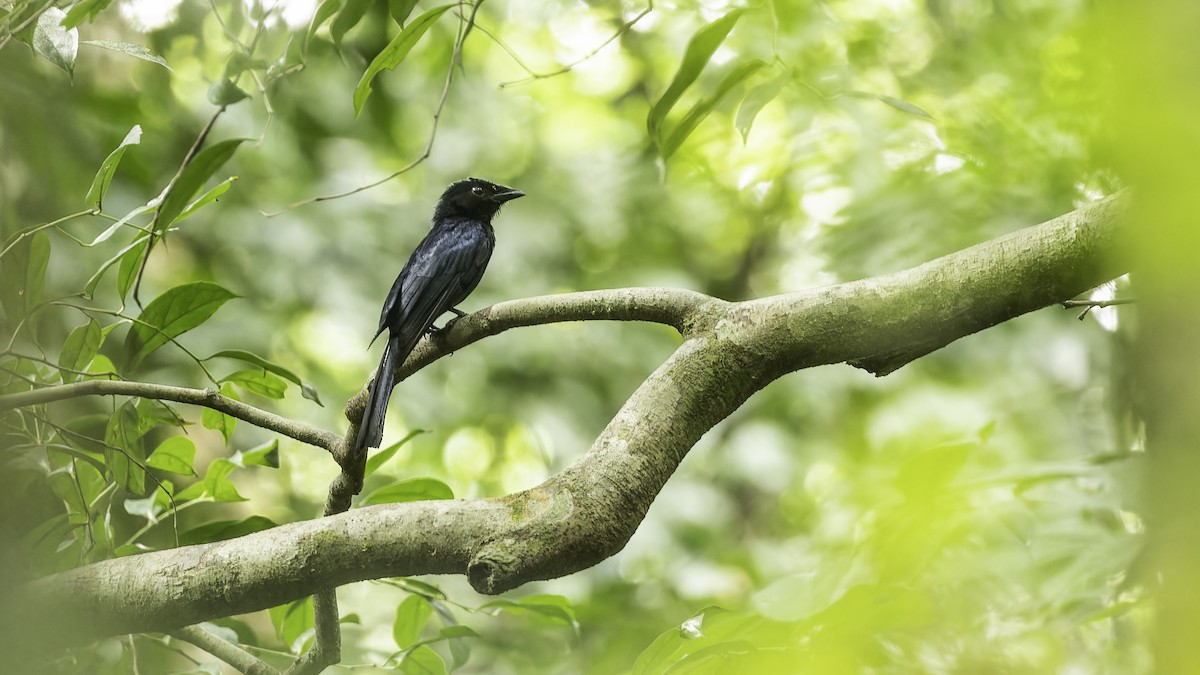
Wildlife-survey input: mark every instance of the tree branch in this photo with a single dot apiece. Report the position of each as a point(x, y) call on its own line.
point(587, 512)
point(235, 656)
point(208, 398)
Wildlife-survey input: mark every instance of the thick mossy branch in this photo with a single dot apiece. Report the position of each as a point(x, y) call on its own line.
point(588, 511)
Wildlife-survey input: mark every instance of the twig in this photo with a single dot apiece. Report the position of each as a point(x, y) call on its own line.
point(534, 76)
point(1089, 305)
point(187, 160)
point(425, 153)
point(230, 653)
point(208, 398)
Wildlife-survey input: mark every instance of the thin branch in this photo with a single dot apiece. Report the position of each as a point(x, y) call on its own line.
point(208, 398)
point(455, 58)
point(187, 160)
point(235, 656)
point(1068, 304)
point(534, 76)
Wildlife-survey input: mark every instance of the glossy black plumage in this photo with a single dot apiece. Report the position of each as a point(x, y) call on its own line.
point(445, 267)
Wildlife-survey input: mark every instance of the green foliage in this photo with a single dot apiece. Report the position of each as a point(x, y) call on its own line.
point(393, 55)
point(975, 512)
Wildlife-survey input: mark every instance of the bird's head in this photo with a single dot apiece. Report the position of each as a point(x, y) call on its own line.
point(473, 198)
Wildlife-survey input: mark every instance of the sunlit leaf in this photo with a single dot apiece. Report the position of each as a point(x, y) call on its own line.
point(217, 483)
point(136, 51)
point(112, 229)
point(411, 617)
point(307, 390)
point(85, 10)
point(756, 99)
point(422, 661)
point(266, 454)
point(95, 194)
point(699, 50)
point(378, 459)
point(172, 314)
point(409, 490)
point(207, 198)
point(176, 454)
point(260, 382)
point(55, 43)
point(394, 53)
point(705, 106)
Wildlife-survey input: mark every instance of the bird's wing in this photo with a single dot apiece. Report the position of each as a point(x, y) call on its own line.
point(445, 265)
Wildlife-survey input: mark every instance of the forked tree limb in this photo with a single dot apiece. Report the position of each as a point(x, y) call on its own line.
point(588, 511)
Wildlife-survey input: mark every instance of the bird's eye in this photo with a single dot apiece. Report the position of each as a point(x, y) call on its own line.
point(477, 191)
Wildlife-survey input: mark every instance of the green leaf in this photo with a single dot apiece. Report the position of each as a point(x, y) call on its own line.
point(411, 617)
point(23, 276)
point(409, 490)
point(176, 454)
point(326, 10)
point(451, 632)
point(258, 381)
point(552, 608)
point(898, 104)
point(95, 194)
point(54, 42)
point(422, 661)
point(394, 53)
point(924, 475)
point(172, 314)
point(207, 198)
point(705, 106)
point(225, 92)
point(699, 50)
point(352, 12)
point(123, 449)
point(131, 260)
point(112, 229)
point(905, 106)
point(378, 459)
point(249, 357)
point(217, 420)
point(400, 9)
point(79, 349)
point(84, 11)
point(62, 484)
point(756, 100)
point(419, 587)
point(201, 168)
point(266, 454)
point(217, 484)
point(136, 51)
point(225, 529)
point(102, 368)
point(292, 622)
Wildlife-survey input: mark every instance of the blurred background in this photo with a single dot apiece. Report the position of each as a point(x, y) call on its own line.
point(977, 511)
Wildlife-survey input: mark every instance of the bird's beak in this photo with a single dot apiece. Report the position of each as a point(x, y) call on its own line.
point(506, 194)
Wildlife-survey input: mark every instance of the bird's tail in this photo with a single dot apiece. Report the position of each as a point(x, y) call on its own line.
point(370, 430)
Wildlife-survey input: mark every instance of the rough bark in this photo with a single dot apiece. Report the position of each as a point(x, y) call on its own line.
point(588, 511)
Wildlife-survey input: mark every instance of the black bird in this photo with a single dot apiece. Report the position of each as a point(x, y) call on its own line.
point(445, 267)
